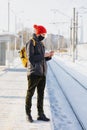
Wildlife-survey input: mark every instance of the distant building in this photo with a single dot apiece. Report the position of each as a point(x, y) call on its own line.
point(6, 40)
point(55, 42)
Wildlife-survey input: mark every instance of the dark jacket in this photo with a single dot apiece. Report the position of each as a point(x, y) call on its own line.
point(36, 61)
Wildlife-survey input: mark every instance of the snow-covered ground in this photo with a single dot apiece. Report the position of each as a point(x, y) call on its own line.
point(63, 118)
point(62, 115)
point(13, 88)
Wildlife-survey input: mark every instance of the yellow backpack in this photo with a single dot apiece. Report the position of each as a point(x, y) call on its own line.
point(23, 54)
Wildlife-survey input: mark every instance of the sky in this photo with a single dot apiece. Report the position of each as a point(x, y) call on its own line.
point(46, 12)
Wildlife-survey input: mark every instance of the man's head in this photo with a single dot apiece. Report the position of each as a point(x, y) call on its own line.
point(40, 31)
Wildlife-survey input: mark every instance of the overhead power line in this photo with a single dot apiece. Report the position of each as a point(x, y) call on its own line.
point(62, 13)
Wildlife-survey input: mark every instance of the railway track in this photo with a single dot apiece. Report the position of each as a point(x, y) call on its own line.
point(83, 86)
point(81, 123)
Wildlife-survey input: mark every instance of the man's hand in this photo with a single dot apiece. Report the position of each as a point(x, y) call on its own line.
point(49, 54)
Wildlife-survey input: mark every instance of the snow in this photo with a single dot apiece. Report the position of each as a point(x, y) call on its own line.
point(13, 87)
point(56, 105)
point(76, 94)
point(61, 114)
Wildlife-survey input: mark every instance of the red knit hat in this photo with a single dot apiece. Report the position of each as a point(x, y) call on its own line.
point(40, 29)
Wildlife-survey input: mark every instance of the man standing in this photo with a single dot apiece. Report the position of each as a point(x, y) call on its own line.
point(36, 71)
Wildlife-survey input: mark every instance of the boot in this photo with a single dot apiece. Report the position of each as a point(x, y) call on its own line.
point(43, 118)
point(29, 118)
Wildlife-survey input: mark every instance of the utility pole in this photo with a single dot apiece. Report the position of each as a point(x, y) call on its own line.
point(8, 32)
point(73, 43)
point(71, 38)
point(8, 16)
point(76, 34)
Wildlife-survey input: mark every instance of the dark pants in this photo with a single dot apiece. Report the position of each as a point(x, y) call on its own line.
point(33, 82)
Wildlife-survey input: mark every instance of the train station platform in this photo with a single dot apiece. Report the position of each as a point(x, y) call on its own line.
point(13, 87)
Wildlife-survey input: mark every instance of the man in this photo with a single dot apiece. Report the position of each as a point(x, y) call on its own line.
point(36, 71)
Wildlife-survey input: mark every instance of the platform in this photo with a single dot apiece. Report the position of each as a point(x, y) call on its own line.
point(13, 87)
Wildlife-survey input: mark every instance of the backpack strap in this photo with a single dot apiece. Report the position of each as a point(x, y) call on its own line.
point(34, 42)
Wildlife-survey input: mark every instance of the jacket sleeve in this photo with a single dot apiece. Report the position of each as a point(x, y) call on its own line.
point(31, 53)
point(48, 58)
